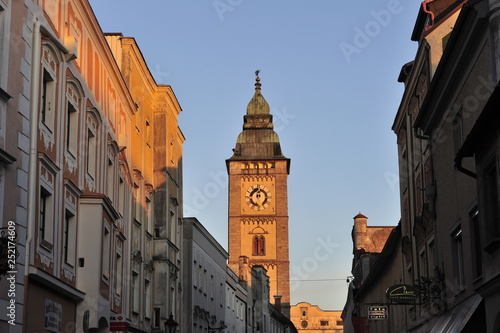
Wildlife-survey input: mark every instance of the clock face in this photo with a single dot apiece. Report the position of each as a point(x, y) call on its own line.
point(258, 197)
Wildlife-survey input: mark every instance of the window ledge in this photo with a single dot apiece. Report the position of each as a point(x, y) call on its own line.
point(46, 245)
point(4, 95)
point(6, 158)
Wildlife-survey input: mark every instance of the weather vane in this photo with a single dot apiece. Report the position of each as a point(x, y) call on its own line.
point(257, 73)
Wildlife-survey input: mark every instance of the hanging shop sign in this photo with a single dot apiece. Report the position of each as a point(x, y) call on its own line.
point(402, 293)
point(377, 312)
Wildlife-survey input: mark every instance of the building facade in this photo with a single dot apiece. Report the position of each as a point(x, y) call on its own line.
point(204, 280)
point(258, 199)
point(308, 318)
point(448, 158)
point(217, 299)
point(457, 107)
point(374, 269)
point(14, 169)
point(239, 314)
point(93, 139)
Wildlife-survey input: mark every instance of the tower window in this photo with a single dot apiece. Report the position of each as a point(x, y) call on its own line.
point(259, 246)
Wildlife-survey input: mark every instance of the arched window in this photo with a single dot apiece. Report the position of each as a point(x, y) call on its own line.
point(259, 245)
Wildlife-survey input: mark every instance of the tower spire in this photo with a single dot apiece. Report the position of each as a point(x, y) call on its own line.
point(257, 80)
point(258, 138)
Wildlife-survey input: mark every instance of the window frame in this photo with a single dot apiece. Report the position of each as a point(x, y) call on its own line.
point(69, 238)
point(46, 218)
point(457, 244)
point(490, 204)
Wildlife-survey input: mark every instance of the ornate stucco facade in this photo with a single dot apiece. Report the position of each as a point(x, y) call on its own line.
point(96, 197)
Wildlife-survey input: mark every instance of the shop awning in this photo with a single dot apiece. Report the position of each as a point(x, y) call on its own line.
point(455, 319)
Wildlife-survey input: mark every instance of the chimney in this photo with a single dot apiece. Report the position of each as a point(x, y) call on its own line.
point(243, 269)
point(277, 302)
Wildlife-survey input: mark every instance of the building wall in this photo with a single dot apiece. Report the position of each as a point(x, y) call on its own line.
point(308, 318)
point(445, 90)
point(14, 150)
point(204, 279)
point(159, 138)
point(238, 304)
point(417, 168)
point(89, 203)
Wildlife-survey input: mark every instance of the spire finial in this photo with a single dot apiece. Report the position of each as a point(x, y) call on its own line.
point(257, 79)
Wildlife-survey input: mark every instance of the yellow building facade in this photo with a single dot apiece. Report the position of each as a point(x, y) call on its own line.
point(308, 318)
point(98, 217)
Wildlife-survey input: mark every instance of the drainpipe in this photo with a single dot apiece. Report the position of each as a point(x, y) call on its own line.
point(34, 95)
point(426, 10)
point(433, 203)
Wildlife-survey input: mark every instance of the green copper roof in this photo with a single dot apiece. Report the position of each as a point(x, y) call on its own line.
point(257, 105)
point(258, 140)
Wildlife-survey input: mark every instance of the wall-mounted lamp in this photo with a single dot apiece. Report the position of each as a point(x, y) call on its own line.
point(170, 324)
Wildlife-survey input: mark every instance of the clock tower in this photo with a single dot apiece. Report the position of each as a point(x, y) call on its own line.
point(258, 200)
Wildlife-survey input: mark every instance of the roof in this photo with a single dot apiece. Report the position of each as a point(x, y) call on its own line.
point(258, 140)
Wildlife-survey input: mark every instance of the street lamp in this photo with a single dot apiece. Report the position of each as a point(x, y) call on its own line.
point(170, 324)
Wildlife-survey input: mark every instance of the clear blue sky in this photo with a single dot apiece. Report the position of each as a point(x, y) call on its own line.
point(329, 72)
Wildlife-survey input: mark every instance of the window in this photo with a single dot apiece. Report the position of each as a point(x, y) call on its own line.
point(149, 214)
point(71, 129)
point(48, 102)
point(221, 294)
point(148, 133)
point(491, 205)
point(106, 249)
point(205, 281)
point(259, 245)
point(477, 263)
point(134, 292)
point(111, 179)
point(69, 238)
point(172, 226)
point(200, 278)
point(147, 298)
point(4, 42)
point(458, 259)
point(423, 262)
point(43, 212)
point(458, 131)
point(46, 219)
point(92, 146)
point(137, 204)
point(119, 273)
point(195, 274)
point(323, 322)
point(121, 196)
point(431, 252)
point(91, 153)
point(156, 319)
point(211, 286)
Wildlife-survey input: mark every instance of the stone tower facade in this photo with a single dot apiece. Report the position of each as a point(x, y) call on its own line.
point(258, 201)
